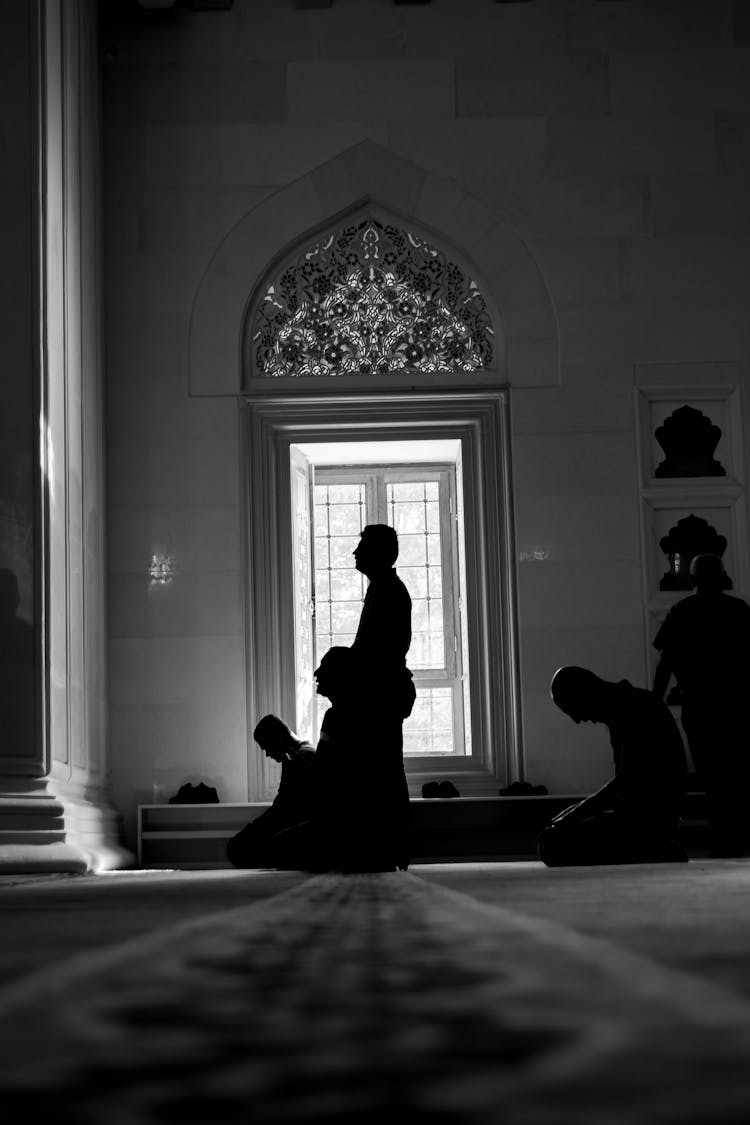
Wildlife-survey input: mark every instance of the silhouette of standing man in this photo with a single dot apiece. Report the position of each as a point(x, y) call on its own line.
point(704, 642)
point(384, 632)
point(380, 647)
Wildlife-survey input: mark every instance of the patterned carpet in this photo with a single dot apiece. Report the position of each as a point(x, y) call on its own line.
point(348, 998)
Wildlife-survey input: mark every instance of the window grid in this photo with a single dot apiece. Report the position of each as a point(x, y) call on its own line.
point(340, 515)
point(414, 511)
point(429, 728)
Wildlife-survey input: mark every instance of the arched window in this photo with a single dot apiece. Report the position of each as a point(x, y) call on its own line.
point(370, 299)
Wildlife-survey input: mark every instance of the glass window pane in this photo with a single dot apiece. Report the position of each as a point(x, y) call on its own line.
point(416, 743)
point(344, 639)
point(345, 519)
point(341, 547)
point(429, 728)
point(321, 519)
point(419, 616)
point(322, 616)
point(436, 616)
point(346, 493)
point(321, 553)
point(432, 489)
point(418, 655)
point(320, 493)
point(437, 650)
point(345, 616)
point(436, 581)
point(322, 587)
point(406, 490)
point(412, 550)
point(433, 517)
point(433, 550)
point(346, 585)
point(415, 580)
point(408, 518)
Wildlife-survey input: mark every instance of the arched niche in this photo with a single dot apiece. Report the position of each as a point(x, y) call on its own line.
point(369, 178)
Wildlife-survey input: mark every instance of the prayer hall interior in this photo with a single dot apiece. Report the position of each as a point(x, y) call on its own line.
point(275, 270)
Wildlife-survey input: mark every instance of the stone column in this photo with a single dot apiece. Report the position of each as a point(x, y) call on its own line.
point(54, 810)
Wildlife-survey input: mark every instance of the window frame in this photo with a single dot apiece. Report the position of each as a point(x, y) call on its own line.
point(480, 419)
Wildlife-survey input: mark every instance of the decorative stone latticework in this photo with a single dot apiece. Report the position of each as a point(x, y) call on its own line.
point(688, 439)
point(370, 299)
point(689, 537)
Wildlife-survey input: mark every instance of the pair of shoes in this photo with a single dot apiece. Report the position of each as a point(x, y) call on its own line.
point(199, 794)
point(523, 789)
point(439, 789)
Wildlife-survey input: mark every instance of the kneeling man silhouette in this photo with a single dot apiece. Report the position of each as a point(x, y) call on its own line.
point(634, 817)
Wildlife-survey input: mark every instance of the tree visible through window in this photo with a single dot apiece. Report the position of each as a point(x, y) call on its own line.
point(371, 299)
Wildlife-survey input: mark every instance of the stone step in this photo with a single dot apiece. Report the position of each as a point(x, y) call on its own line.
point(456, 828)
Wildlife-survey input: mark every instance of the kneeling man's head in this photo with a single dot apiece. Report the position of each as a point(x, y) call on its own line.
point(580, 694)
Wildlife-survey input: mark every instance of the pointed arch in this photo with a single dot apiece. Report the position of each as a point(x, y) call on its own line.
point(370, 179)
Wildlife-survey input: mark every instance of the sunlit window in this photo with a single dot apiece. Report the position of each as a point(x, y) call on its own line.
point(417, 502)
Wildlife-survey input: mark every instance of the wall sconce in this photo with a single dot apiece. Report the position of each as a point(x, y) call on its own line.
point(162, 570)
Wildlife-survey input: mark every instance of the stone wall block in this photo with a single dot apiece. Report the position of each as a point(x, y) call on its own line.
point(711, 205)
point(228, 155)
point(530, 84)
point(652, 25)
point(680, 81)
point(580, 270)
point(204, 93)
point(581, 593)
point(187, 605)
point(653, 331)
point(568, 207)
point(532, 363)
point(704, 265)
point(167, 219)
point(477, 148)
point(628, 144)
point(348, 90)
point(588, 400)
point(233, 276)
point(733, 141)
point(362, 173)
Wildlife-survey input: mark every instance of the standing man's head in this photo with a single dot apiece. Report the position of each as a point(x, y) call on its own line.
point(708, 574)
point(275, 738)
point(582, 695)
point(377, 549)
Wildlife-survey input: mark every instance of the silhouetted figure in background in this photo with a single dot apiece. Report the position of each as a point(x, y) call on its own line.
point(259, 843)
point(635, 816)
point(704, 642)
point(363, 817)
point(17, 686)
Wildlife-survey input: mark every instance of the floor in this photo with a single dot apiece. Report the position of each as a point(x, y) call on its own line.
point(492, 992)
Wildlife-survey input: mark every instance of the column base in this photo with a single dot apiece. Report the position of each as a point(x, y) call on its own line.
point(48, 827)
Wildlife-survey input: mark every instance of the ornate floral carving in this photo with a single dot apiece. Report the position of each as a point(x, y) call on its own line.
point(689, 537)
point(688, 439)
point(371, 299)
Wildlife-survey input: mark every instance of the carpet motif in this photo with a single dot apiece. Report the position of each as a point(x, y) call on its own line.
point(351, 997)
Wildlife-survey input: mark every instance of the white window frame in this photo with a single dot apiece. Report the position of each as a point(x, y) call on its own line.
point(480, 420)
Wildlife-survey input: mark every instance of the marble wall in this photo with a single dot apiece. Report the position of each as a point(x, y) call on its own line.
point(613, 137)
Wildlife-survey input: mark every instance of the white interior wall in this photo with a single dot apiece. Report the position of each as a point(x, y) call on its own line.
point(613, 137)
